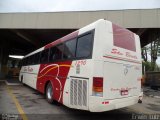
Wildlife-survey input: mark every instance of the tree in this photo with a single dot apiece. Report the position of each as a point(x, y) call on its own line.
point(154, 49)
point(144, 54)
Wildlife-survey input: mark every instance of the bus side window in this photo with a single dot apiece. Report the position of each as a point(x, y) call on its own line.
point(32, 59)
point(69, 49)
point(56, 53)
point(52, 54)
point(37, 58)
point(27, 60)
point(84, 46)
point(44, 56)
point(23, 62)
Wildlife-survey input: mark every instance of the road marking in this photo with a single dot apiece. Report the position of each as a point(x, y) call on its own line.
point(19, 108)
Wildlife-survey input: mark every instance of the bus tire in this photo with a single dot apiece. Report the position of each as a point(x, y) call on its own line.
point(49, 93)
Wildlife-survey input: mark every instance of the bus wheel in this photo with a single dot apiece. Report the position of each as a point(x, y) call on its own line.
point(49, 93)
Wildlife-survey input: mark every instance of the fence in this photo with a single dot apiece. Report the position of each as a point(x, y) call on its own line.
point(152, 79)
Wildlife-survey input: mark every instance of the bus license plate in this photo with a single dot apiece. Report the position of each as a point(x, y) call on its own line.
point(124, 92)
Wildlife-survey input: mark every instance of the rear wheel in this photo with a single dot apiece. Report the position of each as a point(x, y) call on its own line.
point(49, 93)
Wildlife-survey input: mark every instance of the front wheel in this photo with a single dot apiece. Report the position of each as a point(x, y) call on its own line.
point(49, 93)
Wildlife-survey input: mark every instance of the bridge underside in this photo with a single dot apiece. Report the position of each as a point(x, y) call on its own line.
point(24, 41)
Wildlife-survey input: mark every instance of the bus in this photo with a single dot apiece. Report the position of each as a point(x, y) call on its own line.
point(96, 68)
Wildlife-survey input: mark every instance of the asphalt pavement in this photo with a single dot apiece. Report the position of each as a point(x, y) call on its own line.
point(29, 104)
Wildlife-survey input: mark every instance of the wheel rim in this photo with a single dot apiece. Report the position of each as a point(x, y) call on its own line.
point(49, 92)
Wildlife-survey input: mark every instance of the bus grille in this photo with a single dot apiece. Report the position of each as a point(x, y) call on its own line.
point(78, 92)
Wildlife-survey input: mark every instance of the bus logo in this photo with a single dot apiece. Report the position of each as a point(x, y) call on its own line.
point(125, 71)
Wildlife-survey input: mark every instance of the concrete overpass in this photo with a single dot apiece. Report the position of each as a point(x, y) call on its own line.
point(73, 20)
point(138, 21)
point(23, 32)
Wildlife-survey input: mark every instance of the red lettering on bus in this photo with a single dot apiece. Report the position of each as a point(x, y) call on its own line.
point(115, 51)
point(80, 62)
point(131, 56)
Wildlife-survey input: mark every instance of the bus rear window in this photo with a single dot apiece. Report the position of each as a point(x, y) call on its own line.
point(123, 38)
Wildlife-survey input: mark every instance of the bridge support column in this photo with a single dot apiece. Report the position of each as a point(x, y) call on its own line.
point(4, 52)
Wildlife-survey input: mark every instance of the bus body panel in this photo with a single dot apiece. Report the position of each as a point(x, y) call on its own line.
point(72, 80)
point(122, 66)
point(30, 74)
point(57, 74)
point(76, 89)
point(100, 104)
point(122, 70)
point(121, 80)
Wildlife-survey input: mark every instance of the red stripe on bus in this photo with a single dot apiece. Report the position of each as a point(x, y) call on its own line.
point(128, 60)
point(56, 73)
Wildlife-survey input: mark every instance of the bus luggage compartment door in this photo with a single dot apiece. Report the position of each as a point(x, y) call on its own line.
point(121, 80)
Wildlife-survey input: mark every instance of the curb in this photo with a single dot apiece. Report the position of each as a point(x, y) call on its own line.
point(157, 97)
point(153, 96)
point(12, 83)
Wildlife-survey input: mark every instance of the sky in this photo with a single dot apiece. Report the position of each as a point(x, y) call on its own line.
point(74, 5)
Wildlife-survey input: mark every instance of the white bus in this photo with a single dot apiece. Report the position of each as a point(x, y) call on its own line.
point(96, 68)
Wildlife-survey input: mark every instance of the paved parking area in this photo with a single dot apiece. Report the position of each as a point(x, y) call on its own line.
point(151, 93)
point(32, 105)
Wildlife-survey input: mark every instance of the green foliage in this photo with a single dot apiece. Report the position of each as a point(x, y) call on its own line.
point(149, 66)
point(153, 49)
